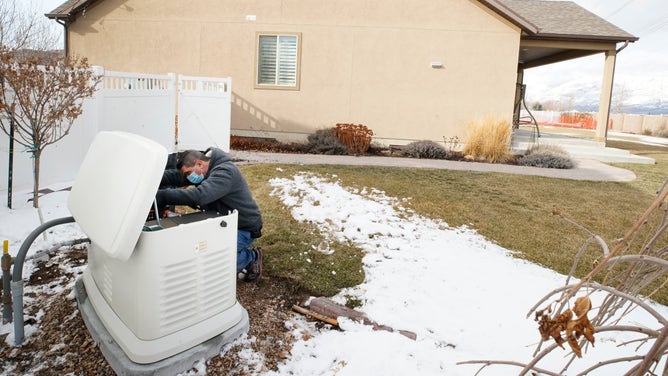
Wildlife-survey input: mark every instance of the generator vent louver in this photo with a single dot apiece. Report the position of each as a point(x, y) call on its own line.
point(207, 277)
point(106, 286)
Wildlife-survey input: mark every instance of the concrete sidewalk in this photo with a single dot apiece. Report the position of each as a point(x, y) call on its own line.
point(585, 169)
point(580, 144)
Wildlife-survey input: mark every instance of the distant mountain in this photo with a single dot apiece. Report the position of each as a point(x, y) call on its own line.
point(630, 96)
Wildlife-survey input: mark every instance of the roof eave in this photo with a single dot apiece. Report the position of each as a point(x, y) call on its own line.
point(510, 15)
point(58, 16)
point(70, 13)
point(581, 38)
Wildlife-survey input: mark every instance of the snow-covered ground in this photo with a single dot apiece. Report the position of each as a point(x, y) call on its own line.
point(465, 297)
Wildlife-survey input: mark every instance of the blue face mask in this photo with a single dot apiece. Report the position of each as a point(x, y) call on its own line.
point(195, 178)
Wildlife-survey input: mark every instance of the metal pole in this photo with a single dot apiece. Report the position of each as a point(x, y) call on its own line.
point(6, 284)
point(177, 86)
point(17, 275)
point(10, 170)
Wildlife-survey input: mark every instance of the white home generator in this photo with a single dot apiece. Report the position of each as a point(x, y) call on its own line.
point(158, 295)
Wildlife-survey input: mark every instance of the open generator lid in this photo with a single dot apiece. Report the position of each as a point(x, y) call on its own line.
point(115, 189)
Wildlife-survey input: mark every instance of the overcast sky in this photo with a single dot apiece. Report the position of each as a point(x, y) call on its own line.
point(643, 62)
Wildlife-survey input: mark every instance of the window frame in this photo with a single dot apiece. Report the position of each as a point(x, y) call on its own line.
point(297, 72)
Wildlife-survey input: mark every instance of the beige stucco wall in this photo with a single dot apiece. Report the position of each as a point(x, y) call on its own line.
point(363, 62)
point(656, 125)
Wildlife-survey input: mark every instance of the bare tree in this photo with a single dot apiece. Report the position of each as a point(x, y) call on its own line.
point(619, 98)
point(568, 102)
point(24, 28)
point(40, 98)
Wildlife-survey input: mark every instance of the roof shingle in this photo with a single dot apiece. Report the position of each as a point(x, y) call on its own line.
point(68, 8)
point(559, 19)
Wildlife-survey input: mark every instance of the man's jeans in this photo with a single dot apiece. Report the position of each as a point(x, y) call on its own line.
point(244, 256)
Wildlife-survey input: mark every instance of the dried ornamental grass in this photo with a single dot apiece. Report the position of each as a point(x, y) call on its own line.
point(488, 140)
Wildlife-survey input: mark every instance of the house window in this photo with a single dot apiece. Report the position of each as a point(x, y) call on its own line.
point(278, 61)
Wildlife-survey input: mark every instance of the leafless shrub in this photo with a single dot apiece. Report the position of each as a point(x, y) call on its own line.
point(635, 270)
point(356, 137)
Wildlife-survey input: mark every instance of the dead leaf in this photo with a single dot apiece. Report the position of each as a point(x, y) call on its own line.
point(582, 327)
point(564, 325)
point(582, 306)
point(575, 346)
point(553, 327)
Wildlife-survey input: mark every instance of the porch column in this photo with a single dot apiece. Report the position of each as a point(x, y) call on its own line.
point(606, 96)
point(518, 97)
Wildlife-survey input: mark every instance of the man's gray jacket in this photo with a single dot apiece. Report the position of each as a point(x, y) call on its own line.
point(223, 189)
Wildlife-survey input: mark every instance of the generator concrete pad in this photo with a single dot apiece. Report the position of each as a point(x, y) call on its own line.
point(173, 365)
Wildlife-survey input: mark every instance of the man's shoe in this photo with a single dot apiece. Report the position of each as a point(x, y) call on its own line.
point(254, 272)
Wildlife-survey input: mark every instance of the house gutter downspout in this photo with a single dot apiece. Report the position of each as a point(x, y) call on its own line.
point(66, 44)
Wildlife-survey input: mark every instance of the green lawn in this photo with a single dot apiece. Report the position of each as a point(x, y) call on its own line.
point(522, 213)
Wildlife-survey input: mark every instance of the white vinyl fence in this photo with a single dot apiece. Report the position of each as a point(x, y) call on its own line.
point(180, 112)
point(204, 112)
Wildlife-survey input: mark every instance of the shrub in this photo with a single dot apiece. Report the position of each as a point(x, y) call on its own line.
point(253, 143)
point(451, 144)
point(265, 144)
point(549, 156)
point(356, 137)
point(426, 149)
point(376, 148)
point(324, 141)
point(488, 140)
